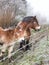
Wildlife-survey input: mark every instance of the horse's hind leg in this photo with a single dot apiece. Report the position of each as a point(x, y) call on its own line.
point(3, 51)
point(10, 50)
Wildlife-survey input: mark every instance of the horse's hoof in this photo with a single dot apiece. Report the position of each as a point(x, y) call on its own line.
point(21, 48)
point(27, 48)
point(1, 57)
point(11, 59)
point(31, 45)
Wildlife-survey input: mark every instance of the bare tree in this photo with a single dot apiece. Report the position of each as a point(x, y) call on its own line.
point(11, 11)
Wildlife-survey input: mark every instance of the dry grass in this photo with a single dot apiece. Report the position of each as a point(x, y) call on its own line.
point(6, 18)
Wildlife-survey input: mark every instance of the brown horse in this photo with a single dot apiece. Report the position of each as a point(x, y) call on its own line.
point(8, 37)
point(28, 23)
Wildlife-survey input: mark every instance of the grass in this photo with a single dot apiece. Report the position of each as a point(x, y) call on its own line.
point(40, 53)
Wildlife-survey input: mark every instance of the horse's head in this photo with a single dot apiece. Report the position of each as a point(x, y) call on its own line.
point(34, 24)
point(29, 22)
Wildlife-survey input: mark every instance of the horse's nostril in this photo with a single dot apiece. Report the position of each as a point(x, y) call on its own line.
point(39, 29)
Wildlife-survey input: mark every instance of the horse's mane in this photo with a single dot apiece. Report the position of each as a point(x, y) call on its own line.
point(28, 19)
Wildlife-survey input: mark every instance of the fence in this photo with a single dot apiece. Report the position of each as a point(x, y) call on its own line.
point(34, 39)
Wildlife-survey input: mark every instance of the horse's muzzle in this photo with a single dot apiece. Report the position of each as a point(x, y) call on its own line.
point(38, 28)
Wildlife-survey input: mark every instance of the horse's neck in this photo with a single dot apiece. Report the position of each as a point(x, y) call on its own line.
point(22, 26)
point(27, 26)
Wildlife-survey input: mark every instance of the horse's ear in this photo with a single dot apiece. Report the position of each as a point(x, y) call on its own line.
point(34, 16)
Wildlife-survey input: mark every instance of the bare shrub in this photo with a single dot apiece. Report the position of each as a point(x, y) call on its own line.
point(11, 11)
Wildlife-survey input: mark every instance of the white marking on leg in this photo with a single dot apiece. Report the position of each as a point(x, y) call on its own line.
point(3, 49)
point(20, 39)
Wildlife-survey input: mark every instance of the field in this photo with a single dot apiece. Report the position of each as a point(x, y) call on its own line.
point(39, 53)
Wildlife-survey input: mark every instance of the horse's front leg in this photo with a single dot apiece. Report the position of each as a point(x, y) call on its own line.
point(22, 43)
point(3, 50)
point(27, 45)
